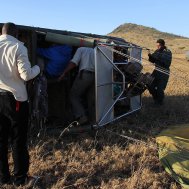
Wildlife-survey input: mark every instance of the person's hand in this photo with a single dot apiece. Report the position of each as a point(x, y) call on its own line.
point(61, 77)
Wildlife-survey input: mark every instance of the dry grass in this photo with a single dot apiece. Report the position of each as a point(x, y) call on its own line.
point(103, 160)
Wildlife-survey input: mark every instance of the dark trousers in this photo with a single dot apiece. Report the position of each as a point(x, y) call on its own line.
point(13, 126)
point(158, 86)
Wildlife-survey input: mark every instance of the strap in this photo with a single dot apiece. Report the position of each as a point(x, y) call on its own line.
point(17, 106)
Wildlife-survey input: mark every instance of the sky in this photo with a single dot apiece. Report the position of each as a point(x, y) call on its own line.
point(98, 16)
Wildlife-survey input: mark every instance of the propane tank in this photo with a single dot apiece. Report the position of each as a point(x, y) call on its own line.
point(71, 40)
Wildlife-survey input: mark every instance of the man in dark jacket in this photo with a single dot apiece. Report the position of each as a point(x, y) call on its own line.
point(162, 58)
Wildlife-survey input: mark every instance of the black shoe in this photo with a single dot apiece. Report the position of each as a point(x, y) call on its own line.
point(20, 181)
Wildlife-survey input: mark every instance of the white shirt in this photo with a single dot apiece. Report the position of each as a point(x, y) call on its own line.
point(84, 57)
point(15, 67)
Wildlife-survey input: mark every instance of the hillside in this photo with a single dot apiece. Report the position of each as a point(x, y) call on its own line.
point(147, 37)
point(125, 28)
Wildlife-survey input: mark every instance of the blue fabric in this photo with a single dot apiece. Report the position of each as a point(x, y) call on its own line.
point(57, 58)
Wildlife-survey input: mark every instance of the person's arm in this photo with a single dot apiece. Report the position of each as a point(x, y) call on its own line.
point(70, 66)
point(154, 57)
point(151, 58)
point(24, 67)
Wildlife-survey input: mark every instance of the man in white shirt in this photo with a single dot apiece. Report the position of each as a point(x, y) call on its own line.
point(84, 58)
point(15, 70)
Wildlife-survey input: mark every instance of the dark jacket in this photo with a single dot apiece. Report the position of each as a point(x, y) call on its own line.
point(161, 58)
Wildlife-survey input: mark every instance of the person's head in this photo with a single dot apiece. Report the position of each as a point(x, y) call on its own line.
point(10, 29)
point(160, 43)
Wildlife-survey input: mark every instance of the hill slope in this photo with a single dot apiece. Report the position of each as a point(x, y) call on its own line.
point(143, 29)
point(146, 36)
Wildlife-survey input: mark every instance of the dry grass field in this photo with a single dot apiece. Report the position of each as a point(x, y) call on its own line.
point(106, 161)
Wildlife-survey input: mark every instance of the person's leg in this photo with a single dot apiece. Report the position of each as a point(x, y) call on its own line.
point(160, 89)
point(153, 89)
point(79, 88)
point(19, 145)
point(4, 133)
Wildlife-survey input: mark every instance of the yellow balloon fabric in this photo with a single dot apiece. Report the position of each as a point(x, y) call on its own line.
point(173, 151)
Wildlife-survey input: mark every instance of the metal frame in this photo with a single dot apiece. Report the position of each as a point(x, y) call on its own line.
point(100, 121)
